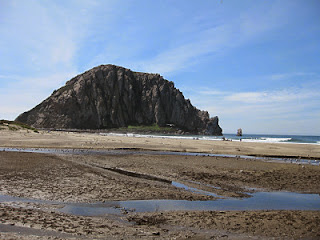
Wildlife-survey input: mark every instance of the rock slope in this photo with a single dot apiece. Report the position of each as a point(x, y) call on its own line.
point(110, 96)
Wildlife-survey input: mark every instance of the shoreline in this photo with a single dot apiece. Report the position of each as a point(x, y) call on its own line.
point(251, 138)
point(25, 139)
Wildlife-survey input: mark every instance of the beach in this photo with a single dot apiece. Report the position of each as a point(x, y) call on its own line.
point(53, 180)
point(59, 139)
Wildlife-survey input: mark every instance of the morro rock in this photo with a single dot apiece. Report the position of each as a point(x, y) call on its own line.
point(110, 96)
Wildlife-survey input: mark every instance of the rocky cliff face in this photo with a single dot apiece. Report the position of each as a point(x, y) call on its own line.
point(109, 96)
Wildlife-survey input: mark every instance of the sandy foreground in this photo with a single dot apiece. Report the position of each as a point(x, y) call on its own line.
point(84, 179)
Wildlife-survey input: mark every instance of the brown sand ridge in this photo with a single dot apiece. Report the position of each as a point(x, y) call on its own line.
point(81, 178)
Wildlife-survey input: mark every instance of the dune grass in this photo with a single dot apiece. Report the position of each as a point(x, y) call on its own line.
point(14, 125)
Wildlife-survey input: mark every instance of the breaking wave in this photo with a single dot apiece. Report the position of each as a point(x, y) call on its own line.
point(231, 137)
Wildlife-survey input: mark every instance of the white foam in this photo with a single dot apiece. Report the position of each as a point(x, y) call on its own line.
point(161, 136)
point(268, 140)
point(206, 138)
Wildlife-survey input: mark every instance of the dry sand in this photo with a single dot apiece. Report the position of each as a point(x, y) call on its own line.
point(79, 178)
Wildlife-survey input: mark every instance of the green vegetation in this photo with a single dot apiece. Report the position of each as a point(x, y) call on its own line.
point(14, 126)
point(147, 128)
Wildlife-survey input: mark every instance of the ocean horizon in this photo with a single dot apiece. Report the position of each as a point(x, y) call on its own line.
point(262, 138)
point(275, 138)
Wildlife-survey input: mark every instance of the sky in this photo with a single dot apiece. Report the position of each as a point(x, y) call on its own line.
point(254, 64)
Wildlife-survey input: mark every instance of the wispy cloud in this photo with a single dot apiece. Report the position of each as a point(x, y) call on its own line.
point(188, 43)
point(23, 93)
point(213, 92)
point(255, 109)
point(286, 95)
point(46, 35)
point(276, 96)
point(183, 56)
point(43, 82)
point(281, 76)
point(38, 43)
point(232, 32)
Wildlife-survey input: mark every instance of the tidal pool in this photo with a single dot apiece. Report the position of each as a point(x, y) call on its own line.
point(257, 201)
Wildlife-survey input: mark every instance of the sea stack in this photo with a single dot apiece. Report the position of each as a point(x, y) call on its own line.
point(110, 96)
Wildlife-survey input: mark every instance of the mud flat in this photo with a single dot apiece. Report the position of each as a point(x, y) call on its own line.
point(70, 178)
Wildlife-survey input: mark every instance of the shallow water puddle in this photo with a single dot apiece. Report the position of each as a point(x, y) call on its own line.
point(195, 190)
point(138, 152)
point(257, 201)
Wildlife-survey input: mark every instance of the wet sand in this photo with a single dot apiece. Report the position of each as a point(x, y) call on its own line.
point(81, 178)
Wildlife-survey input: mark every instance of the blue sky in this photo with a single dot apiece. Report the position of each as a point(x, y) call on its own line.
point(255, 64)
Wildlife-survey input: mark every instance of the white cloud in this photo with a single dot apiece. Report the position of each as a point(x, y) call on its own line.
point(183, 56)
point(42, 36)
point(189, 43)
point(234, 31)
point(213, 92)
point(252, 23)
point(24, 93)
point(46, 82)
point(263, 111)
point(39, 41)
point(281, 76)
point(263, 97)
point(275, 96)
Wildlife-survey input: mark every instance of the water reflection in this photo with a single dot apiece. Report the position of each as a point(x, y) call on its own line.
point(257, 201)
point(195, 190)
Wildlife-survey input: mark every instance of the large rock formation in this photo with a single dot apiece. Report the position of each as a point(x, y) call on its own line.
point(110, 96)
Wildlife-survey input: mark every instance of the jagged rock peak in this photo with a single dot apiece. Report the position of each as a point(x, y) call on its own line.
point(109, 96)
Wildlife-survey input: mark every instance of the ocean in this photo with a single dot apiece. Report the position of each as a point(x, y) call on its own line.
point(275, 138)
point(263, 138)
